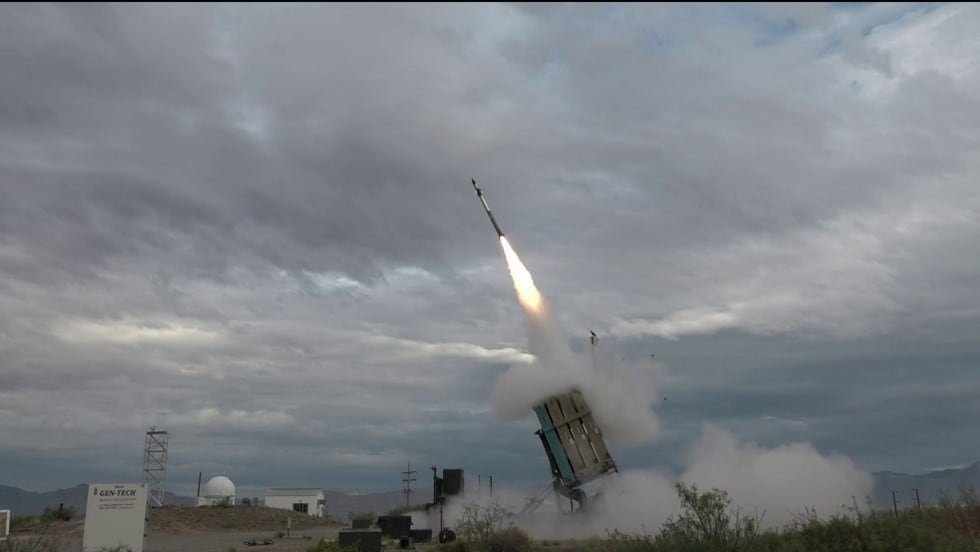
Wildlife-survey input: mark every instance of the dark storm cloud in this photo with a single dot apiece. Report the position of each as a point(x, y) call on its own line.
point(253, 225)
point(142, 150)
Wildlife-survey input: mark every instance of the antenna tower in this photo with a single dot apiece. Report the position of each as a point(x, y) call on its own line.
point(155, 464)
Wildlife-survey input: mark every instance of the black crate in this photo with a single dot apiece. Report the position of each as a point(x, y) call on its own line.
point(368, 540)
point(395, 526)
point(452, 482)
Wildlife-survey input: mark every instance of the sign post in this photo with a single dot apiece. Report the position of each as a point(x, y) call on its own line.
point(115, 515)
point(4, 524)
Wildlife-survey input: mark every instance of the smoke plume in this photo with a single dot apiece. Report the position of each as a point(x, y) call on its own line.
point(622, 411)
point(777, 483)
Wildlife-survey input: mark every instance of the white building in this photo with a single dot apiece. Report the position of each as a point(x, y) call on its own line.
point(304, 501)
point(218, 490)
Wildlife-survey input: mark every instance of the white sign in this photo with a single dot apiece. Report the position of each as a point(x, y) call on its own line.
point(115, 515)
point(4, 524)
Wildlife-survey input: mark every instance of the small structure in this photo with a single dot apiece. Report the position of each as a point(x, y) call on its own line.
point(218, 491)
point(307, 501)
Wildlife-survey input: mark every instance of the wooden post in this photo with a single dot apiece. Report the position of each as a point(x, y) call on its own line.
point(895, 504)
point(918, 505)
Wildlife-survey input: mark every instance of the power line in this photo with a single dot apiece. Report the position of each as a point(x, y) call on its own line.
point(407, 480)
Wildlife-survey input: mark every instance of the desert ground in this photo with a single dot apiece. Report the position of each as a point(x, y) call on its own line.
point(210, 530)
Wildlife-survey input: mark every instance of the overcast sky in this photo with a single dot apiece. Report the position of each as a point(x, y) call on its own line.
point(252, 225)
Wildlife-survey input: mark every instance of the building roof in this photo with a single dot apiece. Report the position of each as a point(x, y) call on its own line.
point(294, 491)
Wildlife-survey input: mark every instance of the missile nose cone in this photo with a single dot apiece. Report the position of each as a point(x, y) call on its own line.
point(486, 207)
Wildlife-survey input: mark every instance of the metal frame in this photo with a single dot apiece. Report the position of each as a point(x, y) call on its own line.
point(574, 445)
point(155, 464)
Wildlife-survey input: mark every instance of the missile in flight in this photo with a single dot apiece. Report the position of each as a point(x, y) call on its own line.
point(479, 194)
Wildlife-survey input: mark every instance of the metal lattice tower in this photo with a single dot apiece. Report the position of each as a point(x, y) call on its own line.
point(155, 464)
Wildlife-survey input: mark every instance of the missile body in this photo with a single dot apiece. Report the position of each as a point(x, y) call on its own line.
point(479, 194)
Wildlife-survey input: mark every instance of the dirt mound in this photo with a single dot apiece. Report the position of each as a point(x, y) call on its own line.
point(240, 518)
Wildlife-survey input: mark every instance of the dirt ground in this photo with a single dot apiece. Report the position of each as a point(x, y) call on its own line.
point(211, 530)
point(216, 541)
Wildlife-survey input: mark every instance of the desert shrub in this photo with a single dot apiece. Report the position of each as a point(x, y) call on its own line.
point(909, 530)
point(958, 515)
point(24, 523)
point(511, 539)
point(478, 523)
point(51, 514)
point(707, 522)
point(324, 545)
point(874, 532)
point(456, 546)
point(618, 541)
point(37, 541)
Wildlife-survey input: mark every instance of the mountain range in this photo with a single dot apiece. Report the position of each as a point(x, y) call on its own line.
point(931, 487)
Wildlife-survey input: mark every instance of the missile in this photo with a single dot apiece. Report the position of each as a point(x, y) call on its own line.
point(479, 194)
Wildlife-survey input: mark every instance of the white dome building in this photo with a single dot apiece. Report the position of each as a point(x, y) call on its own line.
point(218, 490)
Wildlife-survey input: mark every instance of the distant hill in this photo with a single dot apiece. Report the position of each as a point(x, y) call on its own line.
point(339, 505)
point(930, 485)
point(22, 502)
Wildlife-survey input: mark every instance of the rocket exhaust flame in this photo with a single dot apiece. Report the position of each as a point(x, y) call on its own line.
point(527, 293)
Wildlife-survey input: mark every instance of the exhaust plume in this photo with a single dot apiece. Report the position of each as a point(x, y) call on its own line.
point(622, 411)
point(527, 292)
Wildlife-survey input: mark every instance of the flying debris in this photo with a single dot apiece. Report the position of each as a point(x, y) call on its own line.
point(479, 194)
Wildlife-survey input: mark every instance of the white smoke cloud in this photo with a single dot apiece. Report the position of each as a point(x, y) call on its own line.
point(621, 409)
point(779, 481)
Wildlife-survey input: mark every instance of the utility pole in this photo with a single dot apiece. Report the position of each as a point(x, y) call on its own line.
point(407, 480)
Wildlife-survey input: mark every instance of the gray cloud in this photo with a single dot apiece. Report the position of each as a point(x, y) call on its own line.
point(253, 226)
